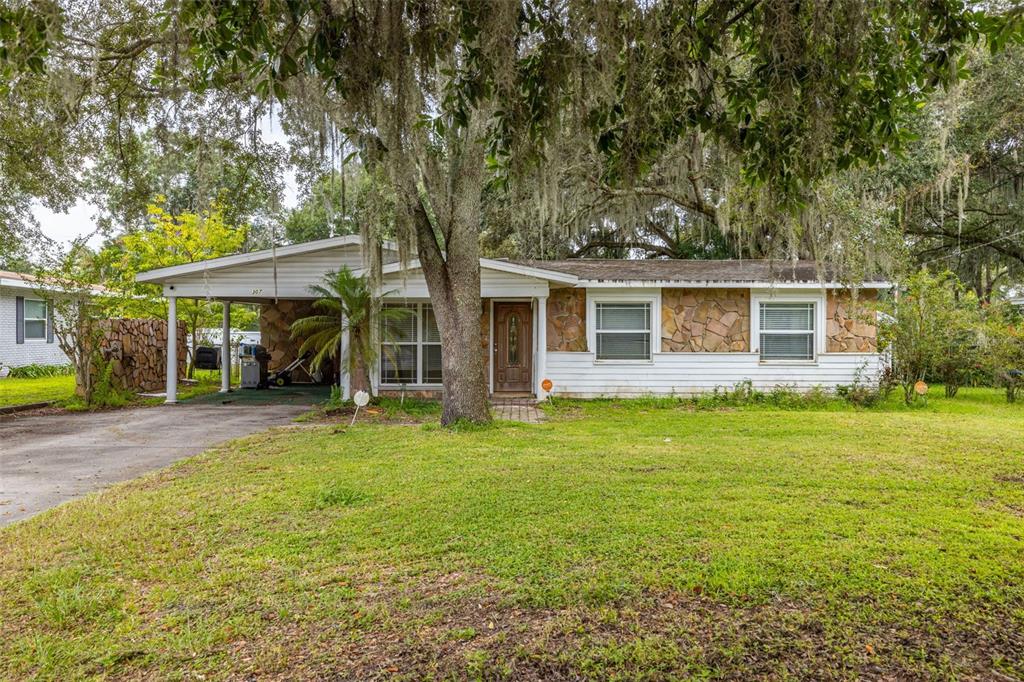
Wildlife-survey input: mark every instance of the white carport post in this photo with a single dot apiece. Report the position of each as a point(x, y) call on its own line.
point(542, 345)
point(225, 348)
point(172, 350)
point(343, 367)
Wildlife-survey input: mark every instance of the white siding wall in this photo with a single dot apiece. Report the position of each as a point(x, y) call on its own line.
point(32, 351)
point(578, 375)
point(493, 284)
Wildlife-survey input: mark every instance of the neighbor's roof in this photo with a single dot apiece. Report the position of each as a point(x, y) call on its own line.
point(23, 280)
point(693, 271)
point(19, 280)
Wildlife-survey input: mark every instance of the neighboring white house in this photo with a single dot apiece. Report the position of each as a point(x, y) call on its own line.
point(589, 327)
point(26, 324)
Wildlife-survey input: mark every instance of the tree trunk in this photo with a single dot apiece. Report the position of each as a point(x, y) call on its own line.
point(453, 280)
point(359, 370)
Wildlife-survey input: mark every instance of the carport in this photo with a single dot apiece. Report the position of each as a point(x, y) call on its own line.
point(278, 277)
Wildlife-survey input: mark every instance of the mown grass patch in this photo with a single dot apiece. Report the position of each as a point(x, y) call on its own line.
point(61, 390)
point(631, 540)
point(18, 391)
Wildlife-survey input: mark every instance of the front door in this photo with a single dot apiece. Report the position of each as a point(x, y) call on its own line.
point(513, 348)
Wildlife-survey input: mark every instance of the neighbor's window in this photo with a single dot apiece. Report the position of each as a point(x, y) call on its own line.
point(787, 331)
point(413, 354)
point(35, 319)
point(623, 331)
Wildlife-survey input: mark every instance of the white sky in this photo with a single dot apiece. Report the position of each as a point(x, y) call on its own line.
point(80, 219)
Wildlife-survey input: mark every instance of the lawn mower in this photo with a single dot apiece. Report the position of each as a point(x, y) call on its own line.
point(283, 377)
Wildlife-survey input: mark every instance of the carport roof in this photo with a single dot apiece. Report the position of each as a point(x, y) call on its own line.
point(160, 274)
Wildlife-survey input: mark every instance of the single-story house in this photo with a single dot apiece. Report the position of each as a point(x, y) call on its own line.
point(590, 327)
point(26, 323)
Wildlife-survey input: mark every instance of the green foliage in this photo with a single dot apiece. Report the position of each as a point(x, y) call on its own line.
point(171, 240)
point(346, 303)
point(240, 177)
point(743, 394)
point(38, 371)
point(1004, 349)
point(931, 327)
point(337, 204)
point(103, 394)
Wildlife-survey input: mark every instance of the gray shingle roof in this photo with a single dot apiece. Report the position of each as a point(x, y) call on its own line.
point(724, 271)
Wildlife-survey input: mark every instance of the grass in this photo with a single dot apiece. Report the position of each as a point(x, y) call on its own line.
point(61, 389)
point(43, 389)
point(629, 540)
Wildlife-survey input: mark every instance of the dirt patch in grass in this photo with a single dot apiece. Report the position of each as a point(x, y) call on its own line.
point(459, 626)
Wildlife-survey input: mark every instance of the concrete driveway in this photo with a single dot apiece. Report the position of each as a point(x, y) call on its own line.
point(51, 458)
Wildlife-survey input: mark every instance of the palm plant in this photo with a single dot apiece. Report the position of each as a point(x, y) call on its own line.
point(346, 303)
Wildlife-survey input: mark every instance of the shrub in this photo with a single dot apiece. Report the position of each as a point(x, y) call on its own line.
point(1003, 354)
point(103, 392)
point(931, 328)
point(783, 397)
point(40, 371)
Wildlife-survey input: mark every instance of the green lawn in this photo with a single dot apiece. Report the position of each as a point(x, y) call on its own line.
point(43, 389)
point(62, 390)
point(618, 540)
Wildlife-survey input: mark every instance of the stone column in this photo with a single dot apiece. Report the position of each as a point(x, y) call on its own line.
point(225, 348)
point(542, 346)
point(172, 350)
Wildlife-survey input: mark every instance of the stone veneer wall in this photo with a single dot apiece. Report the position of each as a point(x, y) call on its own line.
point(567, 320)
point(849, 327)
point(705, 320)
point(276, 335)
point(137, 352)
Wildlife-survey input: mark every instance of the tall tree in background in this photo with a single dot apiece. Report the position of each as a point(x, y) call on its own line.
point(170, 240)
point(446, 100)
point(191, 169)
point(349, 200)
point(960, 199)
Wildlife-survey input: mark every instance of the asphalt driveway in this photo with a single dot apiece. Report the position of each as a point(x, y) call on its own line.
point(51, 458)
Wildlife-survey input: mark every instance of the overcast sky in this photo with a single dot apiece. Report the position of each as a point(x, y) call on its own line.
point(80, 218)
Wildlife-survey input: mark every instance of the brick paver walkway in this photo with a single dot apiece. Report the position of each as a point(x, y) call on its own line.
point(517, 410)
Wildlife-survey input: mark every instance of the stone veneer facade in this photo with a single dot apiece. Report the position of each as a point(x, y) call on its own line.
point(567, 320)
point(850, 327)
point(705, 320)
point(137, 352)
point(276, 335)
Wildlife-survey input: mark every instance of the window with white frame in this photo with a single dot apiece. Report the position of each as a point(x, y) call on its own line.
point(35, 319)
point(622, 331)
point(430, 348)
point(787, 331)
point(411, 347)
